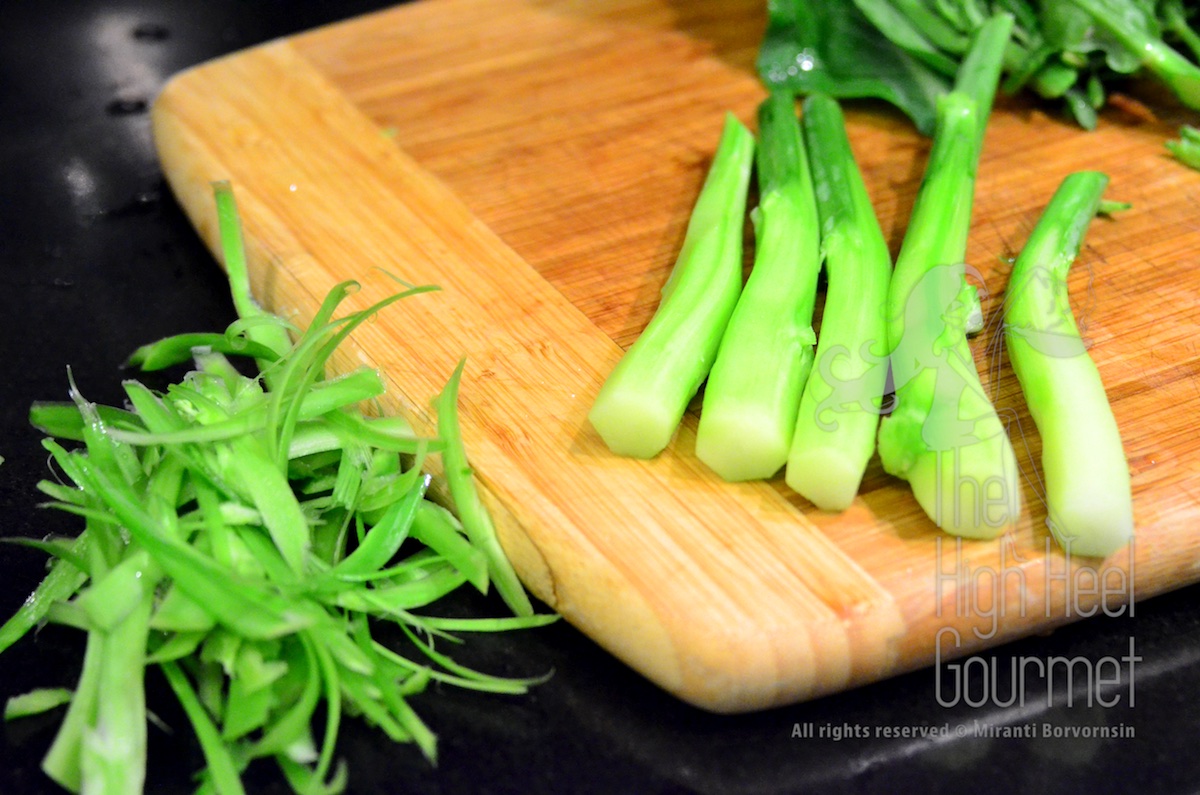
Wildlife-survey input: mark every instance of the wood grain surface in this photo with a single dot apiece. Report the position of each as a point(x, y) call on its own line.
point(538, 159)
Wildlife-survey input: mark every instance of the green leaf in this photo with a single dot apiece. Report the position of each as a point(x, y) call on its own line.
point(832, 48)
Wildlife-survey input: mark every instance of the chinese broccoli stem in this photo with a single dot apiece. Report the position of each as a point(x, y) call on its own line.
point(944, 436)
point(839, 412)
point(754, 389)
point(979, 72)
point(641, 403)
point(1086, 475)
point(977, 77)
point(62, 762)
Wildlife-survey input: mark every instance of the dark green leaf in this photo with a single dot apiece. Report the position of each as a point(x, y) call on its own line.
point(834, 49)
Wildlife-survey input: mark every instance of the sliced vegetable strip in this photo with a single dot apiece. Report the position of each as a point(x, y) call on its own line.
point(476, 520)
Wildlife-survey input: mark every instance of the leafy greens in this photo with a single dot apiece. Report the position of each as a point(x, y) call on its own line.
point(907, 52)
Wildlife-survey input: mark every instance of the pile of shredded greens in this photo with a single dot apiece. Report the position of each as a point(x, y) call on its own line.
point(907, 51)
point(243, 534)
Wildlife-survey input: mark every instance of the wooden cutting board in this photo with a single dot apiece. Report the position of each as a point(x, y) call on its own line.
point(538, 159)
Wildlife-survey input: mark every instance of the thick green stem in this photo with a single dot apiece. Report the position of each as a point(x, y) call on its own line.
point(753, 392)
point(1086, 474)
point(839, 413)
point(641, 404)
point(979, 73)
point(944, 436)
point(978, 76)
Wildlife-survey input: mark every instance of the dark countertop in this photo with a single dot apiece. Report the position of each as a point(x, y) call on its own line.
point(96, 258)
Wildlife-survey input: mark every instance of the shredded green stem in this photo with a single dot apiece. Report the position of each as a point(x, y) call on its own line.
point(223, 773)
point(474, 516)
point(239, 533)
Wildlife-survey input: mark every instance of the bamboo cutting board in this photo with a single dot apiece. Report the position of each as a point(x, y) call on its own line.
point(538, 159)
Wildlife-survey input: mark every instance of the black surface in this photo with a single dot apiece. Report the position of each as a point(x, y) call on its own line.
point(96, 258)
